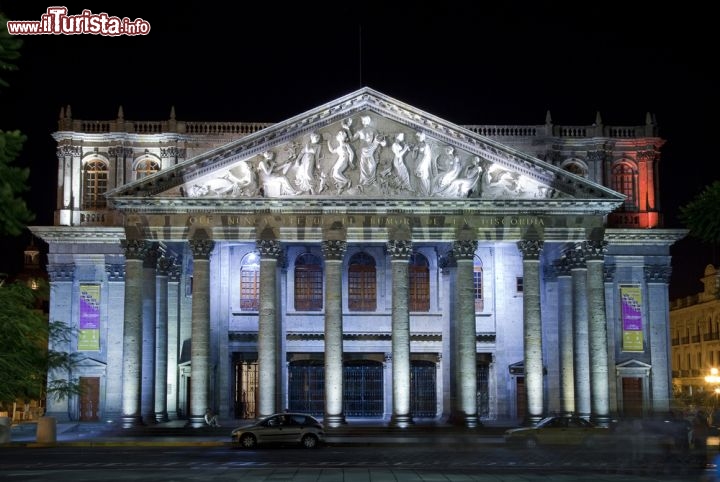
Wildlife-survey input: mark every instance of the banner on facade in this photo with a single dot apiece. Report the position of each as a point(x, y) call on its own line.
point(89, 332)
point(631, 312)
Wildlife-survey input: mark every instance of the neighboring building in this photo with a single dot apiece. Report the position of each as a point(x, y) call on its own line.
point(695, 334)
point(361, 259)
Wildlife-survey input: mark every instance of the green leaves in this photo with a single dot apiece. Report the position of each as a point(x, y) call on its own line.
point(702, 214)
point(15, 214)
point(25, 360)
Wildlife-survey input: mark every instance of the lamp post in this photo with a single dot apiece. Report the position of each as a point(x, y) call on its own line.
point(714, 379)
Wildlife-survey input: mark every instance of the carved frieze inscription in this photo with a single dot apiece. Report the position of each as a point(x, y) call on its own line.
point(367, 155)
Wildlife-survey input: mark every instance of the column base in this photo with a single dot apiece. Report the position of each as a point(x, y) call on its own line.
point(130, 421)
point(161, 417)
point(401, 421)
point(601, 420)
point(334, 421)
point(464, 420)
point(196, 421)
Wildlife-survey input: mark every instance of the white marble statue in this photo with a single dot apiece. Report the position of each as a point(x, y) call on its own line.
point(306, 163)
point(425, 170)
point(399, 168)
point(273, 177)
point(345, 158)
point(370, 142)
point(462, 186)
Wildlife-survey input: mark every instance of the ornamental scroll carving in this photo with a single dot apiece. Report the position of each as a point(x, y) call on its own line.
point(657, 273)
point(61, 272)
point(115, 271)
point(135, 248)
point(594, 250)
point(334, 249)
point(464, 249)
point(269, 248)
point(368, 156)
point(530, 248)
point(399, 249)
point(201, 248)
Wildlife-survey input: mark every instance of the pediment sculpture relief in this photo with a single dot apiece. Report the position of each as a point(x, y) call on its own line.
point(369, 156)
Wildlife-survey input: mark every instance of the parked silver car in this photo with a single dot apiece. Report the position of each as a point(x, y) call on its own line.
point(280, 428)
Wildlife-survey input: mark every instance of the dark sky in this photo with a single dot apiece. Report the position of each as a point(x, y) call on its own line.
point(467, 62)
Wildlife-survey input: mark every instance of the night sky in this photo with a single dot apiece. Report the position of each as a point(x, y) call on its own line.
point(470, 64)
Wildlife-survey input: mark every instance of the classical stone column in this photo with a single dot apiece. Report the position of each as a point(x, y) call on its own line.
point(400, 252)
point(581, 337)
point(135, 251)
point(333, 252)
point(599, 383)
point(532, 328)
point(565, 337)
point(466, 366)
point(149, 332)
point(164, 264)
point(200, 331)
point(657, 277)
point(270, 251)
point(173, 330)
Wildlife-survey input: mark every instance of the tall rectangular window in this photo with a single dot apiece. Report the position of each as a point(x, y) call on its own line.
point(308, 283)
point(362, 289)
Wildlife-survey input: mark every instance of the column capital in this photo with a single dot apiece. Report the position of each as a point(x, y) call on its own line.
point(151, 255)
point(399, 249)
point(464, 249)
point(595, 250)
point(164, 265)
point(134, 248)
point(269, 248)
point(201, 248)
point(657, 273)
point(334, 249)
point(115, 271)
point(174, 272)
point(574, 257)
point(530, 248)
point(61, 272)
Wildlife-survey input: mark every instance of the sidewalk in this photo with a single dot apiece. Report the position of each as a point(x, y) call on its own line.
point(175, 433)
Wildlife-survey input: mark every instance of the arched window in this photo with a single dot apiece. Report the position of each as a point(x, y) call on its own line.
point(362, 284)
point(478, 283)
point(145, 168)
point(419, 273)
point(308, 283)
point(576, 168)
point(623, 181)
point(250, 282)
point(95, 184)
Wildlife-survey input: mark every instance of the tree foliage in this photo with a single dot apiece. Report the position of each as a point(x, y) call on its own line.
point(14, 214)
point(25, 358)
point(702, 214)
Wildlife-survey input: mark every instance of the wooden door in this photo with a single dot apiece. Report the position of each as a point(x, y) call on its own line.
point(89, 399)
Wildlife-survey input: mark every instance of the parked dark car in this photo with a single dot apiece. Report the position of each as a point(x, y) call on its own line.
point(280, 428)
point(558, 430)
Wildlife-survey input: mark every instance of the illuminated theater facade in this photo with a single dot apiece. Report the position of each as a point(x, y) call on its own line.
point(364, 259)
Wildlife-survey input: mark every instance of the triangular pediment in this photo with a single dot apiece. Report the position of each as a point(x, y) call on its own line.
point(365, 145)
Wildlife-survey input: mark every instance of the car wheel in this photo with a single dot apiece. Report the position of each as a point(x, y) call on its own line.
point(531, 443)
point(309, 441)
point(248, 441)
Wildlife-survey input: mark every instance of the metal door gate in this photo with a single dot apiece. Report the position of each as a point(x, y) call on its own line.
point(423, 389)
point(363, 389)
point(306, 387)
point(246, 383)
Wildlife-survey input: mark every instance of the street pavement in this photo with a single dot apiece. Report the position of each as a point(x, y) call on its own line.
point(369, 434)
